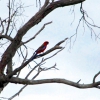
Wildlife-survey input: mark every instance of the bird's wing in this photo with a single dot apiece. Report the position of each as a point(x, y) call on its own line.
point(40, 49)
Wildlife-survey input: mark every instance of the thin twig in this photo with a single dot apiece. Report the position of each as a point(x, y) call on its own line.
point(96, 76)
point(36, 33)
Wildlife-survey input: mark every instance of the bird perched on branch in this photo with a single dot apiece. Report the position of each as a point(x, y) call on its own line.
point(39, 50)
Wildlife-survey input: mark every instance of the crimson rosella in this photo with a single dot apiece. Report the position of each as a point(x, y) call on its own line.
point(39, 50)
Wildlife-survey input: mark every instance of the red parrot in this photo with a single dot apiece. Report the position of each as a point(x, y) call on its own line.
point(39, 50)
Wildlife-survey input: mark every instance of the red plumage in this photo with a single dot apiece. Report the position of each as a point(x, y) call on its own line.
point(42, 47)
point(39, 50)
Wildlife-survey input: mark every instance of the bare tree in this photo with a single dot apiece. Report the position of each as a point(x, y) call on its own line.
point(15, 45)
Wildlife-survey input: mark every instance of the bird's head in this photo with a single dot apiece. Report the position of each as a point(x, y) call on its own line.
point(46, 43)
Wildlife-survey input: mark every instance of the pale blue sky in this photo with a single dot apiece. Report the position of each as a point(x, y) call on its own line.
point(79, 62)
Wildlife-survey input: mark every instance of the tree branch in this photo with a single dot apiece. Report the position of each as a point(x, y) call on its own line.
point(54, 80)
point(57, 46)
point(36, 33)
point(96, 75)
point(38, 17)
point(6, 37)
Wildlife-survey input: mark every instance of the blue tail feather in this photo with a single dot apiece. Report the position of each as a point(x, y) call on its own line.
point(33, 57)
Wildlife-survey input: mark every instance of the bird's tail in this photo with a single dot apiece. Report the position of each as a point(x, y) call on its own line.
point(33, 57)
